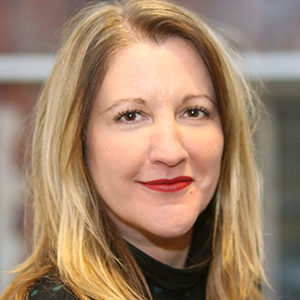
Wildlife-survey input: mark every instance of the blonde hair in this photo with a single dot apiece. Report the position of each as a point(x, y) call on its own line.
point(74, 239)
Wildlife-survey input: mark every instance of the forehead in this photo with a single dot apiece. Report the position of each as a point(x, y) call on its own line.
point(149, 68)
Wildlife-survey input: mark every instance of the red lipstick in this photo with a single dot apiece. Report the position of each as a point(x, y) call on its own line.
point(168, 185)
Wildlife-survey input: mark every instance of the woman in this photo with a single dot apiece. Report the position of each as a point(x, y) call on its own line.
point(143, 176)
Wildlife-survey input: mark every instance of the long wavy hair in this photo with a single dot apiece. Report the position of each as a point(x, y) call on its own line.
point(74, 239)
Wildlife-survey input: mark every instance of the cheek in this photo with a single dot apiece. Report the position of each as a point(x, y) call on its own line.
point(207, 148)
point(117, 153)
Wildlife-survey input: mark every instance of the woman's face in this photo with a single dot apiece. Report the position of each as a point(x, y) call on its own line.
point(154, 139)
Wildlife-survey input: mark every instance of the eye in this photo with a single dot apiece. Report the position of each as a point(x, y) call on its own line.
point(196, 112)
point(129, 116)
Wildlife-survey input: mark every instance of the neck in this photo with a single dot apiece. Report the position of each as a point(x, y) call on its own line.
point(170, 251)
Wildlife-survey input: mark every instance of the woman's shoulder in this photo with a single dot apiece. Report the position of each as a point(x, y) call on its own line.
point(46, 289)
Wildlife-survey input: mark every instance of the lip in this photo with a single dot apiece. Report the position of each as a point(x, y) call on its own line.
point(168, 185)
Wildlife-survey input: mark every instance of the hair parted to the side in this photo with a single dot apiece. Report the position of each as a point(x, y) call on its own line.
point(74, 239)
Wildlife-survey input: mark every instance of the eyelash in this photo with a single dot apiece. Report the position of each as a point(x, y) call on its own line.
point(199, 109)
point(135, 111)
point(127, 112)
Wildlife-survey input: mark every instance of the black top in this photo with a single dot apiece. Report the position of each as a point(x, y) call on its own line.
point(165, 282)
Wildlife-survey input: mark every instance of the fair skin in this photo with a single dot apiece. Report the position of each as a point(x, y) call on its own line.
point(155, 117)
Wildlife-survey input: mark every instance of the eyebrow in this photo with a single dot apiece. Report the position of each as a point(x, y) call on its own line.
point(191, 97)
point(143, 102)
point(118, 102)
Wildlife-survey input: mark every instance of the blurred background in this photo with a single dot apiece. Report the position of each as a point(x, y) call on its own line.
point(267, 35)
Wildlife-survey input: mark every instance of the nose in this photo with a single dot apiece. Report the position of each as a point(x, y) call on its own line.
point(166, 146)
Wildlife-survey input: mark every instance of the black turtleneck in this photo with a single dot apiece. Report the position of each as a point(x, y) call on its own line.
point(167, 283)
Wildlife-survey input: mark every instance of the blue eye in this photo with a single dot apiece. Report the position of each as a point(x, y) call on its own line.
point(196, 112)
point(129, 116)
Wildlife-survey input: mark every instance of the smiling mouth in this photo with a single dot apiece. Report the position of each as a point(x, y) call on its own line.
point(168, 185)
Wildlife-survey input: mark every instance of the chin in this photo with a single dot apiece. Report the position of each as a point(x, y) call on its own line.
point(172, 230)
